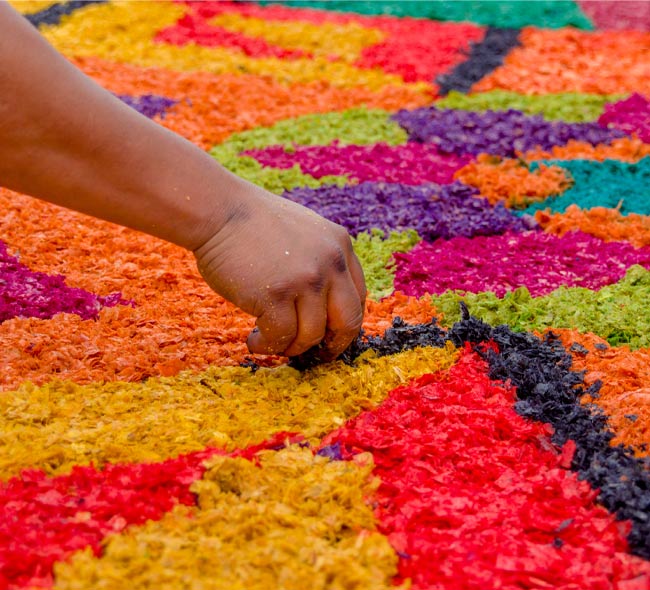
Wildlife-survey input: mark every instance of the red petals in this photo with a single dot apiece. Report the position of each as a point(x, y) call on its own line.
point(475, 496)
point(193, 29)
point(44, 519)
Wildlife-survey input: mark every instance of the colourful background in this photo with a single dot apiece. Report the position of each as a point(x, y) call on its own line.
point(493, 155)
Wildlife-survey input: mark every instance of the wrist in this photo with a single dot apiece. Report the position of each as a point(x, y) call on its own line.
point(191, 197)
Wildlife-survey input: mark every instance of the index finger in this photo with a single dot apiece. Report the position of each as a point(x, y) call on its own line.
point(276, 329)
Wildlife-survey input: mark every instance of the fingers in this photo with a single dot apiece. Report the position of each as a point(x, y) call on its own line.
point(326, 309)
point(312, 321)
point(293, 328)
point(276, 328)
point(344, 316)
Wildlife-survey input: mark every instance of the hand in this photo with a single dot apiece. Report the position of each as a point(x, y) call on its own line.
point(292, 269)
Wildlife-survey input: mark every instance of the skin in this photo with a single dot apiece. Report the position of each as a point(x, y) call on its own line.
point(65, 140)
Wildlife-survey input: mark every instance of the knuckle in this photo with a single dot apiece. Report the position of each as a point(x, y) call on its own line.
point(346, 242)
point(339, 260)
point(342, 235)
point(257, 307)
point(281, 291)
point(314, 279)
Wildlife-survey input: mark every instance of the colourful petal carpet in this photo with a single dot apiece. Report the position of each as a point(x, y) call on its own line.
point(490, 429)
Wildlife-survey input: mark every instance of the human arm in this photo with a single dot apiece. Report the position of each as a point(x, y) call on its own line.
point(66, 140)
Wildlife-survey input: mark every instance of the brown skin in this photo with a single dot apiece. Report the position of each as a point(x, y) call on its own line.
point(65, 140)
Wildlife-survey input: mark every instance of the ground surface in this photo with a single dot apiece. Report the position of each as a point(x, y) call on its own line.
point(492, 162)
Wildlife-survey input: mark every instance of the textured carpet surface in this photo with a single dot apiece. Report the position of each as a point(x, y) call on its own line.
point(491, 426)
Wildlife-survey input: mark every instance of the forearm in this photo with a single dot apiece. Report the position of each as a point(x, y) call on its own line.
point(65, 140)
point(55, 144)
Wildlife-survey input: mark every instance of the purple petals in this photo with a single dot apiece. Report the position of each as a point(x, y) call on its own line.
point(433, 211)
point(539, 261)
point(332, 452)
point(501, 133)
point(631, 115)
point(409, 164)
point(148, 105)
point(25, 293)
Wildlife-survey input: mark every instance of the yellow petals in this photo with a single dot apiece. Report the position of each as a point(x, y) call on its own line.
point(61, 424)
point(296, 522)
point(31, 6)
point(327, 39)
point(125, 32)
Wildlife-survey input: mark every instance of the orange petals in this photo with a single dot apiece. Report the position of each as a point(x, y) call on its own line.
point(624, 395)
point(511, 181)
point(212, 107)
point(379, 315)
point(569, 60)
point(606, 224)
point(625, 149)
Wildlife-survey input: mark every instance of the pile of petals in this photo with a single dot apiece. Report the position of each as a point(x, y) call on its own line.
point(287, 519)
point(606, 224)
point(469, 493)
point(567, 60)
point(403, 46)
point(49, 518)
point(571, 107)
point(500, 133)
point(512, 181)
point(631, 116)
point(612, 184)
point(626, 149)
point(26, 293)
point(631, 15)
point(483, 58)
point(539, 261)
point(431, 210)
point(149, 105)
point(622, 393)
point(408, 164)
point(616, 312)
point(489, 426)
